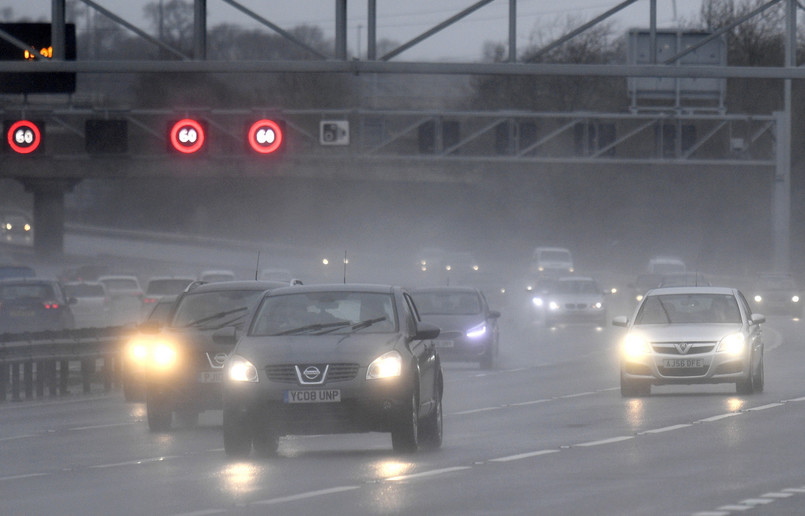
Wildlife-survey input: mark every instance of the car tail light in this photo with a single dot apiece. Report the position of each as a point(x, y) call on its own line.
point(51, 305)
point(149, 300)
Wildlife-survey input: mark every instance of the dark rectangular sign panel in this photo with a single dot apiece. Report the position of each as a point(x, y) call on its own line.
point(37, 36)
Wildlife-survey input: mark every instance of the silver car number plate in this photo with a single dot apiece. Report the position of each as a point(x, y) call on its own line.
point(313, 396)
point(211, 377)
point(443, 343)
point(683, 363)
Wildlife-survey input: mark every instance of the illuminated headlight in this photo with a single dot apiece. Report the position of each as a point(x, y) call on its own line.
point(26, 227)
point(639, 297)
point(634, 345)
point(529, 288)
point(475, 268)
point(138, 351)
point(541, 269)
point(477, 331)
point(163, 355)
point(598, 306)
point(795, 299)
point(241, 370)
point(570, 269)
point(387, 365)
point(538, 302)
point(733, 344)
point(758, 299)
point(553, 305)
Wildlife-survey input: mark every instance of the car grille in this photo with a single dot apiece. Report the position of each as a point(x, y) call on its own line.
point(675, 348)
point(576, 306)
point(286, 373)
point(689, 371)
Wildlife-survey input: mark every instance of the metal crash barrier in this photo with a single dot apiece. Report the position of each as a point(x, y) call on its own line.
point(39, 364)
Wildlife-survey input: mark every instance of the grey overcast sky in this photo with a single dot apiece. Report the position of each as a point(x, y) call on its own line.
point(403, 21)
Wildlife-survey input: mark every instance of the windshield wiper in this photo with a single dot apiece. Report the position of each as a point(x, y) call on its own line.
point(314, 327)
point(368, 322)
point(216, 316)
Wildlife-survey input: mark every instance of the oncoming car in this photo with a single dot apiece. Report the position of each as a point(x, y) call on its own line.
point(182, 366)
point(690, 335)
point(333, 359)
point(777, 293)
point(469, 329)
point(572, 300)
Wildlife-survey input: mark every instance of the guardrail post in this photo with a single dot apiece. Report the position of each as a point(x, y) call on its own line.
point(15, 381)
point(53, 385)
point(87, 369)
point(64, 376)
point(40, 379)
point(108, 371)
point(28, 375)
point(3, 381)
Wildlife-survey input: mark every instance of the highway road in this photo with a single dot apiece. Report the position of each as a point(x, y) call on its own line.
point(546, 432)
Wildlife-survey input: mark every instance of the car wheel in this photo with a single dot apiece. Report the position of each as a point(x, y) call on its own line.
point(158, 411)
point(432, 427)
point(745, 386)
point(265, 443)
point(405, 429)
point(487, 360)
point(237, 436)
point(633, 389)
point(759, 377)
point(132, 390)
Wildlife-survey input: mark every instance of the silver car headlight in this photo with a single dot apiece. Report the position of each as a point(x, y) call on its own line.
point(553, 305)
point(477, 331)
point(758, 298)
point(387, 365)
point(795, 299)
point(241, 370)
point(634, 346)
point(733, 344)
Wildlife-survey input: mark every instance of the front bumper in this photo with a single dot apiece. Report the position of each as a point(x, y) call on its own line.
point(457, 346)
point(662, 369)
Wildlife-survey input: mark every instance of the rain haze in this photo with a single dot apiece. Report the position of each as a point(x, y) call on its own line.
point(498, 289)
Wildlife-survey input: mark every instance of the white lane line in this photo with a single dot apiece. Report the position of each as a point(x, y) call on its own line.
point(18, 477)
point(764, 407)
point(577, 395)
point(798, 490)
point(27, 436)
point(523, 455)
point(606, 441)
point(94, 427)
point(136, 462)
point(756, 501)
point(665, 429)
point(795, 399)
point(718, 417)
point(202, 513)
point(303, 496)
point(532, 402)
point(739, 508)
point(475, 411)
point(427, 473)
point(777, 495)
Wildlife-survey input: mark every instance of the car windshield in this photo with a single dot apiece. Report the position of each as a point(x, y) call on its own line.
point(84, 290)
point(166, 287)
point(554, 256)
point(447, 303)
point(689, 309)
point(218, 308)
point(10, 292)
point(575, 287)
point(325, 312)
point(776, 284)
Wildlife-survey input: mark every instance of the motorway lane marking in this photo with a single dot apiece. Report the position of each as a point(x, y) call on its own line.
point(717, 418)
point(764, 407)
point(665, 429)
point(606, 441)
point(27, 436)
point(475, 411)
point(29, 475)
point(135, 462)
point(110, 425)
point(523, 455)
point(430, 473)
point(302, 496)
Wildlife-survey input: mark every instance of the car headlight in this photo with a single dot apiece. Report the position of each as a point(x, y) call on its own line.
point(733, 344)
point(598, 305)
point(638, 297)
point(241, 370)
point(387, 365)
point(634, 345)
point(795, 299)
point(537, 301)
point(163, 354)
point(758, 298)
point(477, 331)
point(137, 350)
point(553, 305)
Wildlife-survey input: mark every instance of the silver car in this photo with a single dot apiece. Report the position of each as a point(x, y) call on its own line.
point(689, 335)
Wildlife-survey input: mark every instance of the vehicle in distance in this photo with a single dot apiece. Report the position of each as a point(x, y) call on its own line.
point(468, 328)
point(92, 305)
point(16, 271)
point(183, 366)
point(162, 286)
point(777, 293)
point(665, 265)
point(572, 300)
point(125, 295)
point(690, 335)
point(551, 261)
point(34, 304)
point(16, 228)
point(333, 359)
point(212, 275)
point(684, 279)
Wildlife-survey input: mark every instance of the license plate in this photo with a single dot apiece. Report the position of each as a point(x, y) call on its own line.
point(211, 377)
point(443, 343)
point(683, 363)
point(313, 396)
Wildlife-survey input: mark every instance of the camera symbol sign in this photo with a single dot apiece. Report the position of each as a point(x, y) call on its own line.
point(187, 136)
point(265, 136)
point(24, 136)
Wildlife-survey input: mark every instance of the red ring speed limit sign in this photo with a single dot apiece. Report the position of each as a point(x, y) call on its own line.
point(265, 136)
point(24, 136)
point(187, 136)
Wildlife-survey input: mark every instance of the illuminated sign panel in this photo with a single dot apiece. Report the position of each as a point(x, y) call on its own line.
point(24, 136)
point(266, 136)
point(187, 136)
point(37, 35)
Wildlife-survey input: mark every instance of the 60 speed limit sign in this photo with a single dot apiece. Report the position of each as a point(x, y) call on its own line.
point(187, 136)
point(24, 136)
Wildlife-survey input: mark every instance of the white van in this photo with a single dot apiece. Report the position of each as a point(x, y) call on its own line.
point(551, 261)
point(665, 265)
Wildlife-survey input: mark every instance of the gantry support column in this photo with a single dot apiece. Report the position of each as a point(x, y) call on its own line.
point(48, 214)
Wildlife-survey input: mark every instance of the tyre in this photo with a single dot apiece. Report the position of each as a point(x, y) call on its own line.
point(431, 429)
point(158, 410)
point(237, 436)
point(759, 377)
point(487, 360)
point(405, 428)
point(744, 386)
point(265, 443)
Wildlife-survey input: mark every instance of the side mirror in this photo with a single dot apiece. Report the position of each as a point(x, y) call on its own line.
point(227, 336)
point(150, 327)
point(621, 321)
point(426, 331)
point(758, 318)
